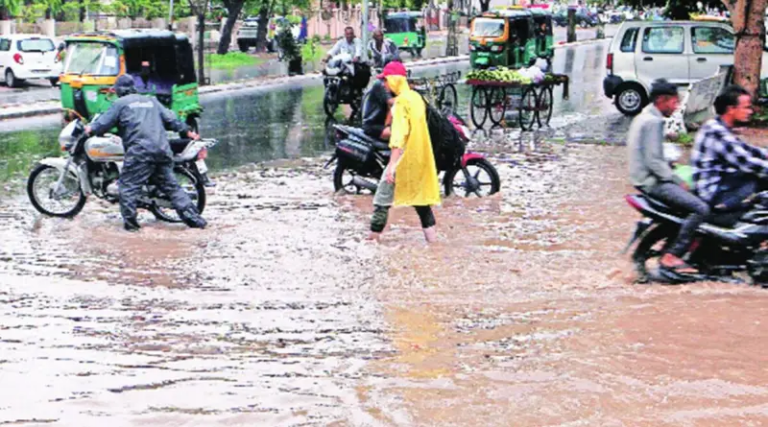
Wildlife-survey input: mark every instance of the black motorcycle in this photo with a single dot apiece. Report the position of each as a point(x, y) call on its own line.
point(727, 245)
point(362, 160)
point(344, 83)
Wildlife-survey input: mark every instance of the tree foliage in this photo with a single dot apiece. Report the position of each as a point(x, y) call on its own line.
point(10, 8)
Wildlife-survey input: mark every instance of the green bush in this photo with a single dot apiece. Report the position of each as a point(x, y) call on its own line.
point(231, 60)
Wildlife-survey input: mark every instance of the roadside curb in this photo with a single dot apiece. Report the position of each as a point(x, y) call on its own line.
point(17, 111)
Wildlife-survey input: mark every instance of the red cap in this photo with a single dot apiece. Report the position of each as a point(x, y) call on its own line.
point(394, 68)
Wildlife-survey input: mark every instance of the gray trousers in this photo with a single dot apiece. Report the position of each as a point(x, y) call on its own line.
point(680, 198)
point(137, 172)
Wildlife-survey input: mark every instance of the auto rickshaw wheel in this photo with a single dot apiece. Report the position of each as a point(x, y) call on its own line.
point(418, 52)
point(497, 105)
point(478, 107)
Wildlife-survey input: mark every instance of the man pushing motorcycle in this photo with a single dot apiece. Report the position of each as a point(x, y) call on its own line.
point(142, 122)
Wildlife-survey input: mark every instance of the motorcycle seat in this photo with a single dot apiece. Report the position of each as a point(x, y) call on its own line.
point(375, 143)
point(178, 145)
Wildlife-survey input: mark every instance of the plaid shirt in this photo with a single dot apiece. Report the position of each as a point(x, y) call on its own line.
point(717, 152)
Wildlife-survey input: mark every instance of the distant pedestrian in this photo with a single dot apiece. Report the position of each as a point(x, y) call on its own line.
point(410, 178)
point(303, 30)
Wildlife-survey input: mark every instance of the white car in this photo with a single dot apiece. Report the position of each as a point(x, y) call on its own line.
point(680, 51)
point(27, 56)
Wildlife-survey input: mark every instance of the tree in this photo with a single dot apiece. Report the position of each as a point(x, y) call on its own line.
point(747, 19)
point(199, 8)
point(234, 7)
point(9, 9)
point(485, 5)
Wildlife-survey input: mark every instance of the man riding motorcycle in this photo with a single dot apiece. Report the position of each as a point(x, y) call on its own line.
point(377, 117)
point(142, 122)
point(651, 174)
point(726, 170)
point(349, 44)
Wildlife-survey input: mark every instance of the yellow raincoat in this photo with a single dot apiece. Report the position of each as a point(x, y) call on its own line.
point(416, 175)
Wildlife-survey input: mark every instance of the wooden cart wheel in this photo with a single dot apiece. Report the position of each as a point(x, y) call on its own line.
point(479, 106)
point(527, 108)
point(497, 105)
point(544, 105)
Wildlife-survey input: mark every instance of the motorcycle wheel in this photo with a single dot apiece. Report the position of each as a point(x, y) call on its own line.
point(40, 185)
point(454, 180)
point(342, 180)
point(330, 104)
point(192, 184)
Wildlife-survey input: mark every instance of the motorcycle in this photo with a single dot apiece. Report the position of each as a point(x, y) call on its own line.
point(59, 187)
point(361, 161)
point(726, 244)
point(343, 84)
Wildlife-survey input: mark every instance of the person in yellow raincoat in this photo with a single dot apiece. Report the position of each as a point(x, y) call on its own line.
point(410, 178)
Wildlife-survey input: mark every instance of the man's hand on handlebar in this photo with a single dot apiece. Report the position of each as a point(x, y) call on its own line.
point(193, 136)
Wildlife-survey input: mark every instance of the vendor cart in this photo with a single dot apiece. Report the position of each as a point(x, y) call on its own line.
point(491, 100)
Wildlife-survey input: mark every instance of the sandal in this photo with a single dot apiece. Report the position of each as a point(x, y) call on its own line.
point(683, 268)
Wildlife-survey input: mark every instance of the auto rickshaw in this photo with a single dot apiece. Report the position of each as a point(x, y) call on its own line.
point(503, 38)
point(404, 29)
point(160, 62)
point(545, 40)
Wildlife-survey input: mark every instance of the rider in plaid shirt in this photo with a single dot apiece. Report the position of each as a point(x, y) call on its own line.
point(726, 170)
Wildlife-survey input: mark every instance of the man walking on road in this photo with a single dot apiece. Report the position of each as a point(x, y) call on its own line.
point(410, 178)
point(650, 172)
point(142, 122)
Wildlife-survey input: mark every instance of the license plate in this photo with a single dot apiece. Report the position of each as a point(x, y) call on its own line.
point(201, 166)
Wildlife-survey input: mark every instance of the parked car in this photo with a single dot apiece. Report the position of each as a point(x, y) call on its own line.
point(28, 56)
point(246, 36)
point(679, 51)
point(584, 18)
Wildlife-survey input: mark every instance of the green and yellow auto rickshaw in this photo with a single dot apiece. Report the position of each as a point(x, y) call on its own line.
point(160, 62)
point(545, 40)
point(406, 31)
point(503, 38)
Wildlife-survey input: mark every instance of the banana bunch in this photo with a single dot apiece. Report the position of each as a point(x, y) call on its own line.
point(500, 74)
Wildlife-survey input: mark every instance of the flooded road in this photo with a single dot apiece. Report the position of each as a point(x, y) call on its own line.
point(524, 313)
point(261, 124)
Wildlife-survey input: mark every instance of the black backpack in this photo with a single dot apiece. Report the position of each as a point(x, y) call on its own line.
point(447, 144)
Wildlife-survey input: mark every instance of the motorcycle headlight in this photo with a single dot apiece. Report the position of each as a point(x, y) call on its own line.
point(67, 136)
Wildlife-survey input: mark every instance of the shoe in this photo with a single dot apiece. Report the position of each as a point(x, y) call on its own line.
point(131, 225)
point(192, 219)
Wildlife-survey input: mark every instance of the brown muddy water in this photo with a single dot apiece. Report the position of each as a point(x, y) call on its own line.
point(524, 314)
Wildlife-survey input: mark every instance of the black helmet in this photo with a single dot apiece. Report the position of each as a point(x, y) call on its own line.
point(125, 85)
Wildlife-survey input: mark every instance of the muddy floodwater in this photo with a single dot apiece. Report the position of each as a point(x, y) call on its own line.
point(524, 314)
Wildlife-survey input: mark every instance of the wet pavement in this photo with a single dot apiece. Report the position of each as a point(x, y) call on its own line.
point(280, 313)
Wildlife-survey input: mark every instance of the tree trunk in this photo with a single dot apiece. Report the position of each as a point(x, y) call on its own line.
point(4, 15)
point(261, 34)
point(48, 13)
point(82, 11)
point(234, 7)
point(201, 49)
point(485, 5)
point(747, 19)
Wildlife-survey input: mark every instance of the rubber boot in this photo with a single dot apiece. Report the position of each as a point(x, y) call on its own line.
point(430, 234)
point(192, 219)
